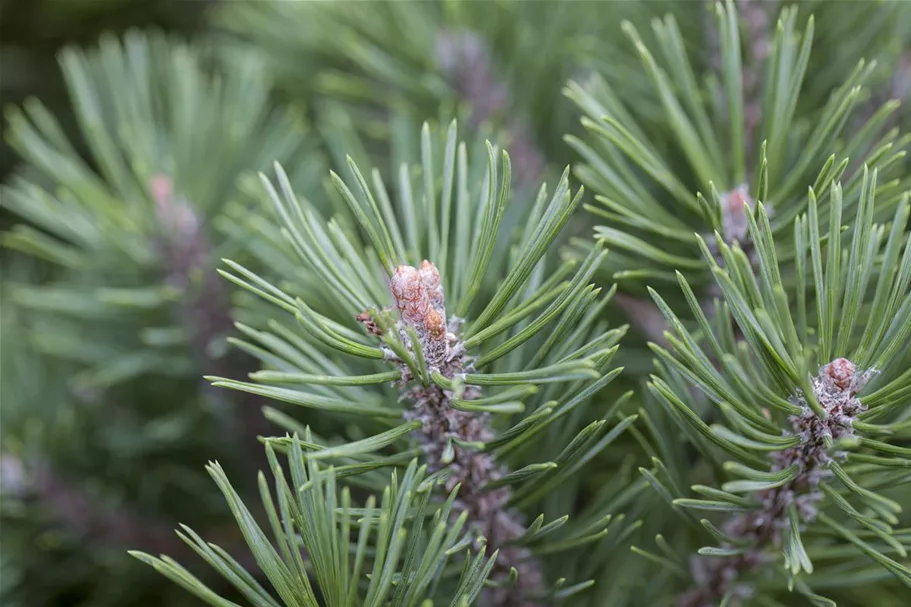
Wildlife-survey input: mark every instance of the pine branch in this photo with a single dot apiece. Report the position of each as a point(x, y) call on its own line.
point(801, 446)
point(491, 360)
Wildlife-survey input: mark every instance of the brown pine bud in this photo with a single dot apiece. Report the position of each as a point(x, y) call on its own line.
point(435, 325)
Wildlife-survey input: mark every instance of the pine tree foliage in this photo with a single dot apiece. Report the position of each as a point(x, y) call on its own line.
point(805, 441)
point(449, 417)
point(168, 142)
point(107, 332)
point(482, 362)
point(492, 64)
point(741, 134)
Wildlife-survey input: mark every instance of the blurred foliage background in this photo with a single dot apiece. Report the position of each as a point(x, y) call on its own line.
point(33, 31)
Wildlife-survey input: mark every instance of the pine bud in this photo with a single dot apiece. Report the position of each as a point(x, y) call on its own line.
point(366, 319)
point(174, 214)
point(840, 372)
point(418, 295)
point(411, 299)
point(435, 325)
point(734, 206)
point(430, 277)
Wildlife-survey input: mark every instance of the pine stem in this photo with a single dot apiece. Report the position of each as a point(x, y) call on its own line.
point(756, 16)
point(645, 316)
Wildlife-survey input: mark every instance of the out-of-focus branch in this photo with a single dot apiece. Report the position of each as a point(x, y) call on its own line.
point(901, 78)
point(204, 311)
point(464, 58)
point(898, 86)
point(756, 15)
point(71, 507)
point(645, 316)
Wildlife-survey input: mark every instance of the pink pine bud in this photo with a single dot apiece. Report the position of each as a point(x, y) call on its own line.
point(162, 188)
point(418, 296)
point(174, 214)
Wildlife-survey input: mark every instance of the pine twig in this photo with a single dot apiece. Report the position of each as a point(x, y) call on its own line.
point(835, 388)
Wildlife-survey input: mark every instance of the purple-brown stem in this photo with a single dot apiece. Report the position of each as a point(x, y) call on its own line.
point(645, 316)
point(896, 87)
point(756, 16)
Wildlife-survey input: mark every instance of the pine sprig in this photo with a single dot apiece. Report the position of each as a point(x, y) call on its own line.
point(805, 417)
point(124, 311)
point(322, 544)
point(168, 140)
point(646, 197)
point(478, 389)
